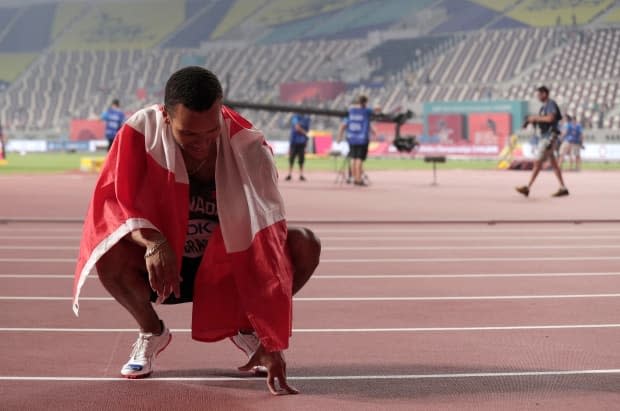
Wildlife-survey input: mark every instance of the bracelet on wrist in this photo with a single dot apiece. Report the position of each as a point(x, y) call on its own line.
point(150, 251)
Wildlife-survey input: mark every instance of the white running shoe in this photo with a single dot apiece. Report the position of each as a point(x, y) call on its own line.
point(249, 343)
point(145, 350)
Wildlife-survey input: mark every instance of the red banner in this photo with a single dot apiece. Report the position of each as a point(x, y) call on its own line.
point(386, 131)
point(322, 141)
point(486, 134)
point(86, 130)
point(446, 128)
point(489, 129)
point(315, 91)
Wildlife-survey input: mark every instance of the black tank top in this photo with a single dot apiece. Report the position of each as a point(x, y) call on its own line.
point(203, 218)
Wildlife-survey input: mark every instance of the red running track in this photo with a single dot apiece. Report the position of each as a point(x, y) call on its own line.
point(496, 320)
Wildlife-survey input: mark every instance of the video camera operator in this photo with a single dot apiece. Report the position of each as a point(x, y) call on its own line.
point(547, 122)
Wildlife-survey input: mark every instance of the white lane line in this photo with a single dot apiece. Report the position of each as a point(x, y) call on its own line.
point(362, 299)
point(473, 238)
point(40, 276)
point(374, 260)
point(335, 330)
point(385, 228)
point(440, 276)
point(37, 260)
point(363, 276)
point(382, 238)
point(38, 247)
point(381, 248)
point(39, 237)
point(462, 259)
point(507, 374)
point(13, 229)
point(472, 247)
point(482, 229)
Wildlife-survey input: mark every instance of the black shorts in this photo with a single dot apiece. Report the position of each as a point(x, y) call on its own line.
point(189, 268)
point(358, 151)
point(297, 150)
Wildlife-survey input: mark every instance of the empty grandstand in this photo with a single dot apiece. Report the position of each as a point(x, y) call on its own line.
point(77, 56)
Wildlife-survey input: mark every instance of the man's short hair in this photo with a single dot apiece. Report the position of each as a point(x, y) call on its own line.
point(362, 99)
point(116, 102)
point(543, 89)
point(195, 87)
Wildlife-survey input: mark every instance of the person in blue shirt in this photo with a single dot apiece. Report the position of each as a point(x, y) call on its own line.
point(300, 126)
point(114, 119)
point(572, 144)
point(358, 129)
point(547, 121)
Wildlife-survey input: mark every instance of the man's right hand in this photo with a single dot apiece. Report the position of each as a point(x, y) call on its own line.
point(161, 266)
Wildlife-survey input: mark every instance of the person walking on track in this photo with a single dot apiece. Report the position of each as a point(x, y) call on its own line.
point(547, 122)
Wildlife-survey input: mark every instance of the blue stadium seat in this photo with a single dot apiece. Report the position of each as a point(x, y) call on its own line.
point(200, 29)
point(464, 15)
point(31, 31)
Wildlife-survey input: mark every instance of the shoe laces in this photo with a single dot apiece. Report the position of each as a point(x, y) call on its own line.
point(142, 348)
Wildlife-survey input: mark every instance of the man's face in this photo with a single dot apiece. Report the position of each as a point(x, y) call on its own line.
point(542, 96)
point(194, 131)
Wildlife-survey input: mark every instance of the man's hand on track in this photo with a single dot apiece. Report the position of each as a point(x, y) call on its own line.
point(276, 369)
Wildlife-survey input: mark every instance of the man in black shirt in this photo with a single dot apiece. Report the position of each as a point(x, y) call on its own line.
point(547, 121)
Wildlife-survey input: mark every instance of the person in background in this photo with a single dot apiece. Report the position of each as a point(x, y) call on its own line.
point(547, 122)
point(358, 129)
point(572, 143)
point(300, 125)
point(114, 119)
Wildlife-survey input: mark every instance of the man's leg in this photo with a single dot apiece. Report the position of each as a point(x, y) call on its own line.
point(357, 170)
point(121, 271)
point(577, 153)
point(302, 160)
point(291, 161)
point(563, 154)
point(305, 251)
point(556, 169)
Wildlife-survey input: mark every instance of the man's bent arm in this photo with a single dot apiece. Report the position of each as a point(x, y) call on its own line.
point(146, 237)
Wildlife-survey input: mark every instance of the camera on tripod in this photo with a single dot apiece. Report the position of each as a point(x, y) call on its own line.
point(404, 144)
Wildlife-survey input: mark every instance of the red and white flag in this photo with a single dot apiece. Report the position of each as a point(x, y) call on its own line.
point(245, 278)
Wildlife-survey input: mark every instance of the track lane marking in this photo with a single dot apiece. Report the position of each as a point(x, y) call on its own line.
point(375, 260)
point(382, 238)
point(365, 299)
point(364, 276)
point(335, 330)
point(507, 374)
point(380, 248)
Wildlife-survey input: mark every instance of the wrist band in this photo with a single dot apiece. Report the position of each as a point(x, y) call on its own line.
point(154, 249)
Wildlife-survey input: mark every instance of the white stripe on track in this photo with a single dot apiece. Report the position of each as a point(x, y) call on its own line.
point(379, 248)
point(462, 259)
point(381, 238)
point(474, 228)
point(363, 276)
point(335, 330)
point(471, 247)
point(506, 374)
point(473, 238)
point(375, 260)
point(364, 299)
